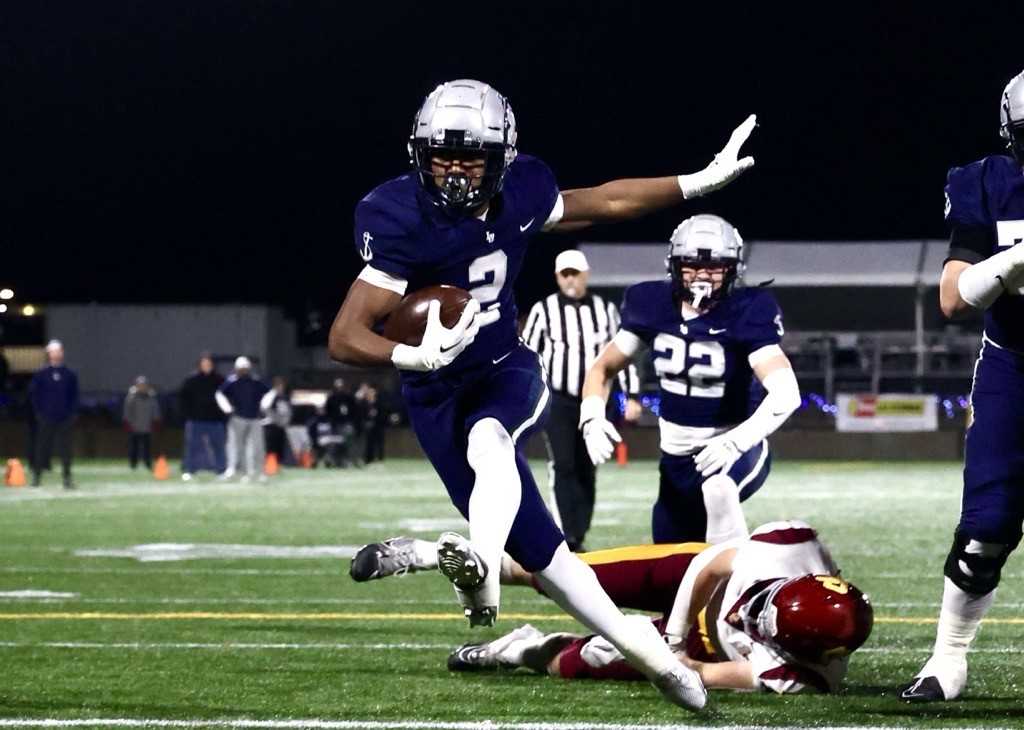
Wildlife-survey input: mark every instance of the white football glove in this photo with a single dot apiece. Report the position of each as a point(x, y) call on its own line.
point(724, 168)
point(599, 434)
point(717, 456)
point(440, 345)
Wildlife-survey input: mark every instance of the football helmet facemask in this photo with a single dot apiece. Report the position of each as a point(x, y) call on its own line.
point(1011, 116)
point(814, 618)
point(464, 120)
point(704, 242)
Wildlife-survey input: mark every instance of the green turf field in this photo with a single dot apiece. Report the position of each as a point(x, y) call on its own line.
point(225, 636)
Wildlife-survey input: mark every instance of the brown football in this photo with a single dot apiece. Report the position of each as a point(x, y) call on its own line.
point(407, 323)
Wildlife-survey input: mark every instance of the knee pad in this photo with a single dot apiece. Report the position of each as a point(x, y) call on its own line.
point(488, 440)
point(975, 566)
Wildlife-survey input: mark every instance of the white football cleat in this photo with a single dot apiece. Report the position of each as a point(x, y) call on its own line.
point(683, 687)
point(504, 652)
point(459, 563)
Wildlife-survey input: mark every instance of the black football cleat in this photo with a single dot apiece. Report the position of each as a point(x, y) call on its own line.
point(922, 689)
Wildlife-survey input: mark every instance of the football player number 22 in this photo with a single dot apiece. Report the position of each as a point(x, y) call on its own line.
point(488, 273)
point(690, 368)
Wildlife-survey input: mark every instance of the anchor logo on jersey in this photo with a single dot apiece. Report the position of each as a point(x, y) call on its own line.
point(366, 253)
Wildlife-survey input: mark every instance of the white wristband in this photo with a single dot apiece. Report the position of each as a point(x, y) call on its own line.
point(407, 357)
point(591, 407)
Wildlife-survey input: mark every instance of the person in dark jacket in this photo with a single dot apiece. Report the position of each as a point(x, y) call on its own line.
point(205, 434)
point(241, 397)
point(54, 396)
point(141, 417)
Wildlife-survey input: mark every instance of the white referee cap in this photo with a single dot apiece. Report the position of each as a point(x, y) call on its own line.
point(571, 259)
point(242, 363)
point(54, 345)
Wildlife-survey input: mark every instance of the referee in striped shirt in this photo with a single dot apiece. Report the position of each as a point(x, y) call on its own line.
point(568, 330)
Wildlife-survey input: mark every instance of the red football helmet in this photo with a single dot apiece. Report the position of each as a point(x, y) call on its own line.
point(812, 617)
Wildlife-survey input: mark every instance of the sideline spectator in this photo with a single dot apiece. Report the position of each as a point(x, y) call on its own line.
point(141, 418)
point(374, 419)
point(279, 416)
point(240, 397)
point(204, 421)
point(330, 447)
point(54, 395)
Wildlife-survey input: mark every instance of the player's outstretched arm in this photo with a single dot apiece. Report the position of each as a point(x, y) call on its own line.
point(631, 198)
point(724, 675)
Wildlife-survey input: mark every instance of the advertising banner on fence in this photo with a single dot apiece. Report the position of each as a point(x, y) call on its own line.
point(887, 412)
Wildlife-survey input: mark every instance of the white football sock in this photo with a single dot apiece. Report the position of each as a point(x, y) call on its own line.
point(571, 584)
point(958, 621)
point(426, 554)
point(725, 515)
point(494, 503)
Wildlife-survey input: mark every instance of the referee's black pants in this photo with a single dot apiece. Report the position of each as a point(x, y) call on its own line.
point(574, 475)
point(53, 436)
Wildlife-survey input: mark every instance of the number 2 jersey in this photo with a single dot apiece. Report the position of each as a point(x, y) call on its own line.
point(409, 242)
point(703, 363)
point(985, 209)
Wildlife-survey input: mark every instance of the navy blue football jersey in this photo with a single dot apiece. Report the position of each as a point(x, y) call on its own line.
point(985, 208)
point(702, 363)
point(401, 230)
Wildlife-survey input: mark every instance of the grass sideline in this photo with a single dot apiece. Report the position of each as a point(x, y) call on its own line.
point(232, 640)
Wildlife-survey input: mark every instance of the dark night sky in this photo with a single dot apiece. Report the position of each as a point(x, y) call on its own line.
point(214, 151)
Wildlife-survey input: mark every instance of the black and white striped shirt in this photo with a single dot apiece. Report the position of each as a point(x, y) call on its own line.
point(568, 334)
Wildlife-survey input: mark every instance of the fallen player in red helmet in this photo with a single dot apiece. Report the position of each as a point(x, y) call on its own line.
point(764, 612)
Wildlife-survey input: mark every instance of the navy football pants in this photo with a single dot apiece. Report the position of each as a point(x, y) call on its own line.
point(679, 514)
point(993, 501)
point(514, 393)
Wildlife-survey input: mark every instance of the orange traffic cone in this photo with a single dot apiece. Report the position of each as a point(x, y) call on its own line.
point(160, 469)
point(14, 476)
point(306, 459)
point(270, 465)
point(621, 453)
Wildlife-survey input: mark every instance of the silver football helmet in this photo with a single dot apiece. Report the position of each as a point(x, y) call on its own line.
point(704, 241)
point(1011, 116)
point(458, 117)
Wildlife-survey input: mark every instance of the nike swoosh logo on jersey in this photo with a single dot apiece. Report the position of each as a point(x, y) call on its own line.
point(713, 331)
point(522, 229)
point(502, 357)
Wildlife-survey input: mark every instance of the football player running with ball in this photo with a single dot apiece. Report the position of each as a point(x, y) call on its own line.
point(474, 392)
point(709, 337)
point(984, 270)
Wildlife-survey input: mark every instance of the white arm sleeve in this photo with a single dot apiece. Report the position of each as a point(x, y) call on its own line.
point(223, 403)
point(556, 214)
point(383, 280)
point(628, 343)
point(267, 400)
point(783, 398)
point(982, 283)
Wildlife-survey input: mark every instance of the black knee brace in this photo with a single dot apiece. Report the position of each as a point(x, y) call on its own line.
point(974, 566)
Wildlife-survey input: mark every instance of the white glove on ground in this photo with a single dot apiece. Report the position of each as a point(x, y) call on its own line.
point(599, 434)
point(440, 345)
point(724, 168)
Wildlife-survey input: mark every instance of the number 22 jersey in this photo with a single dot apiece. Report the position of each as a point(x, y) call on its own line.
point(703, 362)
